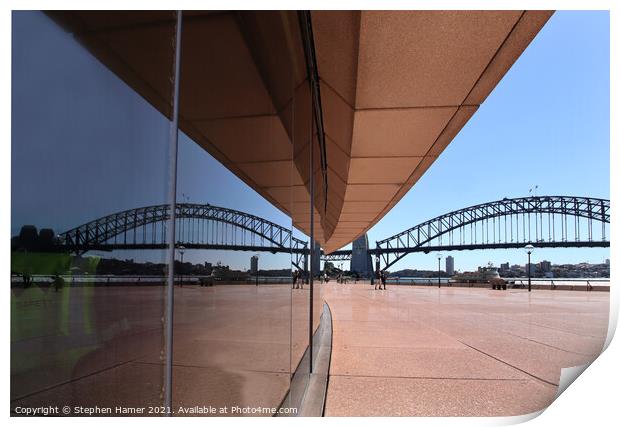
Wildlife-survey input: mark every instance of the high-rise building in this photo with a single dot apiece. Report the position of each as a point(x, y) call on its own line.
point(545, 266)
point(450, 265)
point(531, 267)
point(254, 265)
point(316, 260)
point(360, 258)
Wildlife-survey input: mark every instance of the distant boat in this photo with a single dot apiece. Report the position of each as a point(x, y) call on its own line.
point(488, 274)
point(224, 274)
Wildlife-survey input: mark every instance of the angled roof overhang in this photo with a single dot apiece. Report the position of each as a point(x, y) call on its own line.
point(395, 88)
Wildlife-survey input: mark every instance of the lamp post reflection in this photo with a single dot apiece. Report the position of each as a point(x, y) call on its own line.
point(439, 269)
point(529, 249)
point(182, 252)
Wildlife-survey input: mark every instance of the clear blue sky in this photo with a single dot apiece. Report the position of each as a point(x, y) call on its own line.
point(545, 124)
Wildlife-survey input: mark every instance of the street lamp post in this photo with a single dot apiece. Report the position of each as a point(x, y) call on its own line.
point(529, 249)
point(439, 270)
point(181, 251)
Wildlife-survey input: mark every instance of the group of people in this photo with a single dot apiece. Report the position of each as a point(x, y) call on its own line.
point(381, 279)
point(298, 279)
point(342, 279)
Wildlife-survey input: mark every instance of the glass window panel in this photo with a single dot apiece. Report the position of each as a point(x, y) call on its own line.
point(90, 150)
point(233, 311)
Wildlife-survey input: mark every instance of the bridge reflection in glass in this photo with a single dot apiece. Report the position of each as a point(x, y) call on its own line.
point(83, 145)
point(88, 301)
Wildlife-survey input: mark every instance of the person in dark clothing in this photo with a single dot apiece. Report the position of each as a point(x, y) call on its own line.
point(295, 276)
point(383, 279)
point(59, 282)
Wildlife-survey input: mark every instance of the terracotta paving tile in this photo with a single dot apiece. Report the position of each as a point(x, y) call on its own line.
point(418, 362)
point(387, 337)
point(128, 385)
point(537, 359)
point(232, 344)
point(381, 396)
point(456, 351)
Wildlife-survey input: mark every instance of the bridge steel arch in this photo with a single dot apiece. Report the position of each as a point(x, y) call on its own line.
point(199, 226)
point(544, 221)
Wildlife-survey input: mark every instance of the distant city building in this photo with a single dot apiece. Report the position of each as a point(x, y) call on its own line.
point(450, 265)
point(504, 267)
point(531, 268)
point(360, 258)
point(316, 260)
point(545, 266)
point(254, 265)
point(607, 261)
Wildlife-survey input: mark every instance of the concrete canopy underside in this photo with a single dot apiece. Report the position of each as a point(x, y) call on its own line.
point(396, 87)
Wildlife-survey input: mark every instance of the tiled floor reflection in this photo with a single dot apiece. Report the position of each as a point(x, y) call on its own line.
point(421, 351)
point(232, 346)
point(79, 345)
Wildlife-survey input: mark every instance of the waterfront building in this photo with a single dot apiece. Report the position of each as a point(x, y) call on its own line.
point(450, 265)
point(504, 267)
point(254, 265)
point(545, 266)
point(531, 268)
point(360, 257)
point(316, 259)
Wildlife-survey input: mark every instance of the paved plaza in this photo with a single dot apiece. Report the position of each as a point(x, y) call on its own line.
point(424, 351)
point(102, 346)
point(409, 350)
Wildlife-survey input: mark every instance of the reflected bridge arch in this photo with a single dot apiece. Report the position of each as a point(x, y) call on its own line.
point(197, 226)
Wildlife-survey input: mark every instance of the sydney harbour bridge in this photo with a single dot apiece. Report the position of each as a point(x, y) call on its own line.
point(543, 221)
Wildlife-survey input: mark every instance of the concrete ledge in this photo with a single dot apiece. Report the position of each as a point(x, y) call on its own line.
point(312, 403)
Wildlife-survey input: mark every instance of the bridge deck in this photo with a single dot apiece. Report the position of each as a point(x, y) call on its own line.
point(418, 351)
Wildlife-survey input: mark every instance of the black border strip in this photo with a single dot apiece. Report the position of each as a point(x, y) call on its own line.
point(305, 24)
